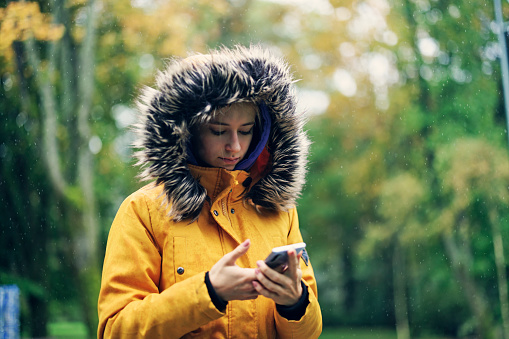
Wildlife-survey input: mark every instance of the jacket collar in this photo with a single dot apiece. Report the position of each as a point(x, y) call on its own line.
point(218, 182)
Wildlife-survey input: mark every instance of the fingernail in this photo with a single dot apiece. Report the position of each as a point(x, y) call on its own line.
point(257, 270)
point(246, 243)
point(258, 263)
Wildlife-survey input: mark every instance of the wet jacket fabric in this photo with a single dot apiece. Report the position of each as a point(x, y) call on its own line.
point(167, 235)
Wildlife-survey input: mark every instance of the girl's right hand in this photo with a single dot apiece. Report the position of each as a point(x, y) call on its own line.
point(230, 281)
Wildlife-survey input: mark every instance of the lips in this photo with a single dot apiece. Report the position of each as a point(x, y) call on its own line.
point(230, 161)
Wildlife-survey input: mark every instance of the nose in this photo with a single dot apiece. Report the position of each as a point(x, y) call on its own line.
point(233, 144)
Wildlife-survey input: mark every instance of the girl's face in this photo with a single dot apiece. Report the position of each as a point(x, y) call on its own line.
point(224, 141)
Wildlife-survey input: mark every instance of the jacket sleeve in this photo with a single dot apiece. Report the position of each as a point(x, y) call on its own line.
point(130, 304)
point(310, 325)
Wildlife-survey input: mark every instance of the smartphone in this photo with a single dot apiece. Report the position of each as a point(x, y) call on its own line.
point(278, 258)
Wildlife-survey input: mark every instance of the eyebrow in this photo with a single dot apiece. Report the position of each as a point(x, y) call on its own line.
point(223, 124)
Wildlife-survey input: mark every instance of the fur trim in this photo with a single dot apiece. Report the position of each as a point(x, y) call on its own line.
point(188, 92)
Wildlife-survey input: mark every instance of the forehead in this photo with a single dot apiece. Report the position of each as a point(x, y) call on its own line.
point(245, 111)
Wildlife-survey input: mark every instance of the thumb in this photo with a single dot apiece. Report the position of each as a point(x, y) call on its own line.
point(238, 252)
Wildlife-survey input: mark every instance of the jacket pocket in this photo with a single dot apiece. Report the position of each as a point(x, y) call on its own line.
point(180, 259)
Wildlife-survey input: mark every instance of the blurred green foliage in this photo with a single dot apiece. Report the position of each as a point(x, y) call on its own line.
point(404, 210)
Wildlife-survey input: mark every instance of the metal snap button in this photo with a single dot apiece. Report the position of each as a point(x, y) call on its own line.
point(215, 213)
point(180, 270)
point(232, 210)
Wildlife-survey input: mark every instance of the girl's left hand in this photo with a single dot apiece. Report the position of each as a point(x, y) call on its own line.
point(284, 288)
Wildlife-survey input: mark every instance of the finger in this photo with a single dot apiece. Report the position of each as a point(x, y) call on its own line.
point(248, 274)
point(275, 288)
point(244, 275)
point(238, 252)
point(269, 272)
point(263, 291)
point(267, 283)
point(299, 256)
point(293, 263)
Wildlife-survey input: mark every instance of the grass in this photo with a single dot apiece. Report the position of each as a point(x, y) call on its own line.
point(364, 333)
point(77, 330)
point(357, 333)
point(71, 330)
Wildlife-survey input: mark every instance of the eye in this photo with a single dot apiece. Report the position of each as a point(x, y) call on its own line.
point(213, 131)
point(246, 132)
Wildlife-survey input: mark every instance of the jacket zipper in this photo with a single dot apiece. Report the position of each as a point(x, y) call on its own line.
point(225, 209)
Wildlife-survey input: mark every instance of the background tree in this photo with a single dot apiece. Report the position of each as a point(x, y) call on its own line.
point(474, 176)
point(61, 88)
point(404, 107)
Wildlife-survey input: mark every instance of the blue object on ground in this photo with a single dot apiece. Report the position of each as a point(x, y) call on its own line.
point(9, 312)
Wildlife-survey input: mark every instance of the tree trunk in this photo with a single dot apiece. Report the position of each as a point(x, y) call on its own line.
point(87, 239)
point(498, 248)
point(38, 316)
point(475, 298)
point(400, 297)
point(348, 278)
point(79, 192)
point(49, 120)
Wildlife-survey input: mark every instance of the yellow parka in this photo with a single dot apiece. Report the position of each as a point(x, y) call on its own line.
point(154, 269)
point(167, 235)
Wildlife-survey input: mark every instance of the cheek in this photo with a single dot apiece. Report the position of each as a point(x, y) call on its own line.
point(209, 146)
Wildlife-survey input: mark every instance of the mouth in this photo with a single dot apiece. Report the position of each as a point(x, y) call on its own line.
point(230, 161)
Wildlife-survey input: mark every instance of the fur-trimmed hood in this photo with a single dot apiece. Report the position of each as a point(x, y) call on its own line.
point(188, 92)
